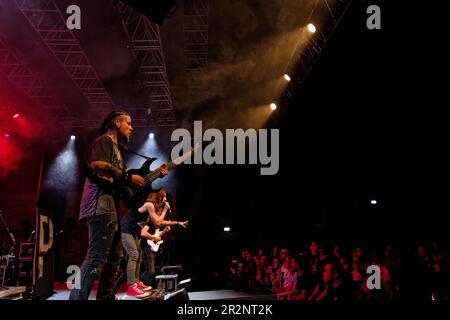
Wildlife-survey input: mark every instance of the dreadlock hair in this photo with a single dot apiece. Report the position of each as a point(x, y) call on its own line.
point(157, 198)
point(108, 122)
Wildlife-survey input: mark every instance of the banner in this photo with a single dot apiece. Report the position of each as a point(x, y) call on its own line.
point(44, 255)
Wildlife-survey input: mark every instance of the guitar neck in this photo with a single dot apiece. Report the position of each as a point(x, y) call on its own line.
point(164, 232)
point(156, 174)
point(131, 194)
point(170, 165)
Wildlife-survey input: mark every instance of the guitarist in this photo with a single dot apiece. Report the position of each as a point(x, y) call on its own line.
point(99, 205)
point(157, 207)
point(135, 225)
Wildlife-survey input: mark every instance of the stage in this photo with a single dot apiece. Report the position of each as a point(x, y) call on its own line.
point(62, 293)
point(231, 295)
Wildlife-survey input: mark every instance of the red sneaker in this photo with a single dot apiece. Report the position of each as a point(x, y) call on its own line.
point(142, 286)
point(134, 291)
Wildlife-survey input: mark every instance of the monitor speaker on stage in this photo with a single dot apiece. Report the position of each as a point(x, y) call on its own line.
point(155, 10)
point(186, 284)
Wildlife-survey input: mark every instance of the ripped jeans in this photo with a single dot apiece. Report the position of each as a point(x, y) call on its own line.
point(104, 254)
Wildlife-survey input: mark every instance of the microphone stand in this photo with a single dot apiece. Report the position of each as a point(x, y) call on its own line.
point(11, 235)
point(12, 268)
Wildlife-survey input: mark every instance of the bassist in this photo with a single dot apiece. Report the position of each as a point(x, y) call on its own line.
point(99, 206)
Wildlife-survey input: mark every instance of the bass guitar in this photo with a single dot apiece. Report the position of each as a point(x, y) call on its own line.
point(134, 196)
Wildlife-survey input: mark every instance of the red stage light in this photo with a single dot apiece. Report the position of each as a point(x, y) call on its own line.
point(16, 116)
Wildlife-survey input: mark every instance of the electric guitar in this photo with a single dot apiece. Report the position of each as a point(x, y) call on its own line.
point(134, 196)
point(155, 245)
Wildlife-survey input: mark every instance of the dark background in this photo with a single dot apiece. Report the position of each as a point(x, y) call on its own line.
point(368, 123)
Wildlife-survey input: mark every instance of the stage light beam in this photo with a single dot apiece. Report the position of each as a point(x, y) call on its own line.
point(63, 171)
point(273, 106)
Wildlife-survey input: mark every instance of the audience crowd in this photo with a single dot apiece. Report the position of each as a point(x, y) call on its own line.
point(329, 272)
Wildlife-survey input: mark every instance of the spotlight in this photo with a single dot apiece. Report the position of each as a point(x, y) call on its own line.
point(311, 28)
point(72, 137)
point(16, 116)
point(226, 229)
point(287, 78)
point(151, 136)
point(273, 106)
point(373, 202)
point(7, 135)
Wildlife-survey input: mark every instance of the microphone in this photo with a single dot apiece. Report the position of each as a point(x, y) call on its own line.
point(169, 211)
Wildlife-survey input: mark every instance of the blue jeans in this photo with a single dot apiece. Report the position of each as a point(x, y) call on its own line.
point(148, 257)
point(131, 245)
point(104, 254)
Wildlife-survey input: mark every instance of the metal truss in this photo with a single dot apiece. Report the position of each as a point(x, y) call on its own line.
point(140, 115)
point(48, 21)
point(330, 15)
point(145, 44)
point(196, 30)
point(12, 66)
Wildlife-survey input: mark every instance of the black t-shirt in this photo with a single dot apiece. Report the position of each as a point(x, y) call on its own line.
point(132, 221)
point(104, 149)
point(97, 199)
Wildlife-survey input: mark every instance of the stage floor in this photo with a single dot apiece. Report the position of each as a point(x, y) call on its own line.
point(62, 293)
point(231, 295)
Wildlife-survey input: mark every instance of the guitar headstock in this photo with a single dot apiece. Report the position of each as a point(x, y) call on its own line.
point(187, 155)
point(195, 148)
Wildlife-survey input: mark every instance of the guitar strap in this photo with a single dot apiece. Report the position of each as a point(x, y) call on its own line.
point(125, 148)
